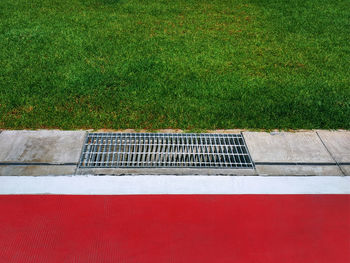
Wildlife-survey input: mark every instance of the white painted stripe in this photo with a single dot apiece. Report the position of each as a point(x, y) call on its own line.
point(127, 185)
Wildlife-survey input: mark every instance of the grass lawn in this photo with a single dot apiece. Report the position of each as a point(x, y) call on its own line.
point(190, 64)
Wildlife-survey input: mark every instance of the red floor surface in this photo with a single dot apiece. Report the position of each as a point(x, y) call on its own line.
point(163, 228)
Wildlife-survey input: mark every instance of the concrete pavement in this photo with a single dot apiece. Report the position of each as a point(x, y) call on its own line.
point(52, 152)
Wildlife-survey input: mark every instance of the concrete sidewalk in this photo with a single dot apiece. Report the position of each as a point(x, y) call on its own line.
point(52, 152)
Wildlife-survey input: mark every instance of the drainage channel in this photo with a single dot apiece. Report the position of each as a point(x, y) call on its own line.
point(165, 150)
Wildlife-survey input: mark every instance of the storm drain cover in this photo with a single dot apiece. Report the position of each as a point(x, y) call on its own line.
point(164, 150)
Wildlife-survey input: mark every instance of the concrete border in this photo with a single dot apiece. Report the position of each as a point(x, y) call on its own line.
point(300, 169)
point(37, 170)
point(135, 185)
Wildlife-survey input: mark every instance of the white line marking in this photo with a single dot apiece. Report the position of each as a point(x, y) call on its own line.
point(133, 185)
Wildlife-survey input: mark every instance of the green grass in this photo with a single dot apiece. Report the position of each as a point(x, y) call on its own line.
point(190, 64)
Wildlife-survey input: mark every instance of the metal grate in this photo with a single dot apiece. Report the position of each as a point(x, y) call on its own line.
point(145, 150)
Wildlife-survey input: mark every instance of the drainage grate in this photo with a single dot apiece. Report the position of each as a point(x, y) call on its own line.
point(146, 150)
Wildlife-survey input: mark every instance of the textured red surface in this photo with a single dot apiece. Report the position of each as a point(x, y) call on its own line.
point(163, 228)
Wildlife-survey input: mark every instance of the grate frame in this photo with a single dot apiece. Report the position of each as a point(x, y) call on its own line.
point(165, 150)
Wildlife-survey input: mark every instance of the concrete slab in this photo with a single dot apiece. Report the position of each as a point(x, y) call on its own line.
point(163, 171)
point(287, 147)
point(44, 146)
point(321, 170)
point(36, 170)
point(338, 143)
point(346, 169)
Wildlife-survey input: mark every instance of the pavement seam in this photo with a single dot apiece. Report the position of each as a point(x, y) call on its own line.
point(251, 157)
point(335, 160)
point(35, 164)
point(302, 163)
point(81, 152)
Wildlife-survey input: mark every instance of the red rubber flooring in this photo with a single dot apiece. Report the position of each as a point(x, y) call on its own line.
point(175, 228)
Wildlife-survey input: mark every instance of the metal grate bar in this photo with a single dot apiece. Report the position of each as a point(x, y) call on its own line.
point(146, 150)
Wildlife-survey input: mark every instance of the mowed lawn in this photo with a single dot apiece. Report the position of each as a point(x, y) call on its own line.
point(190, 64)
